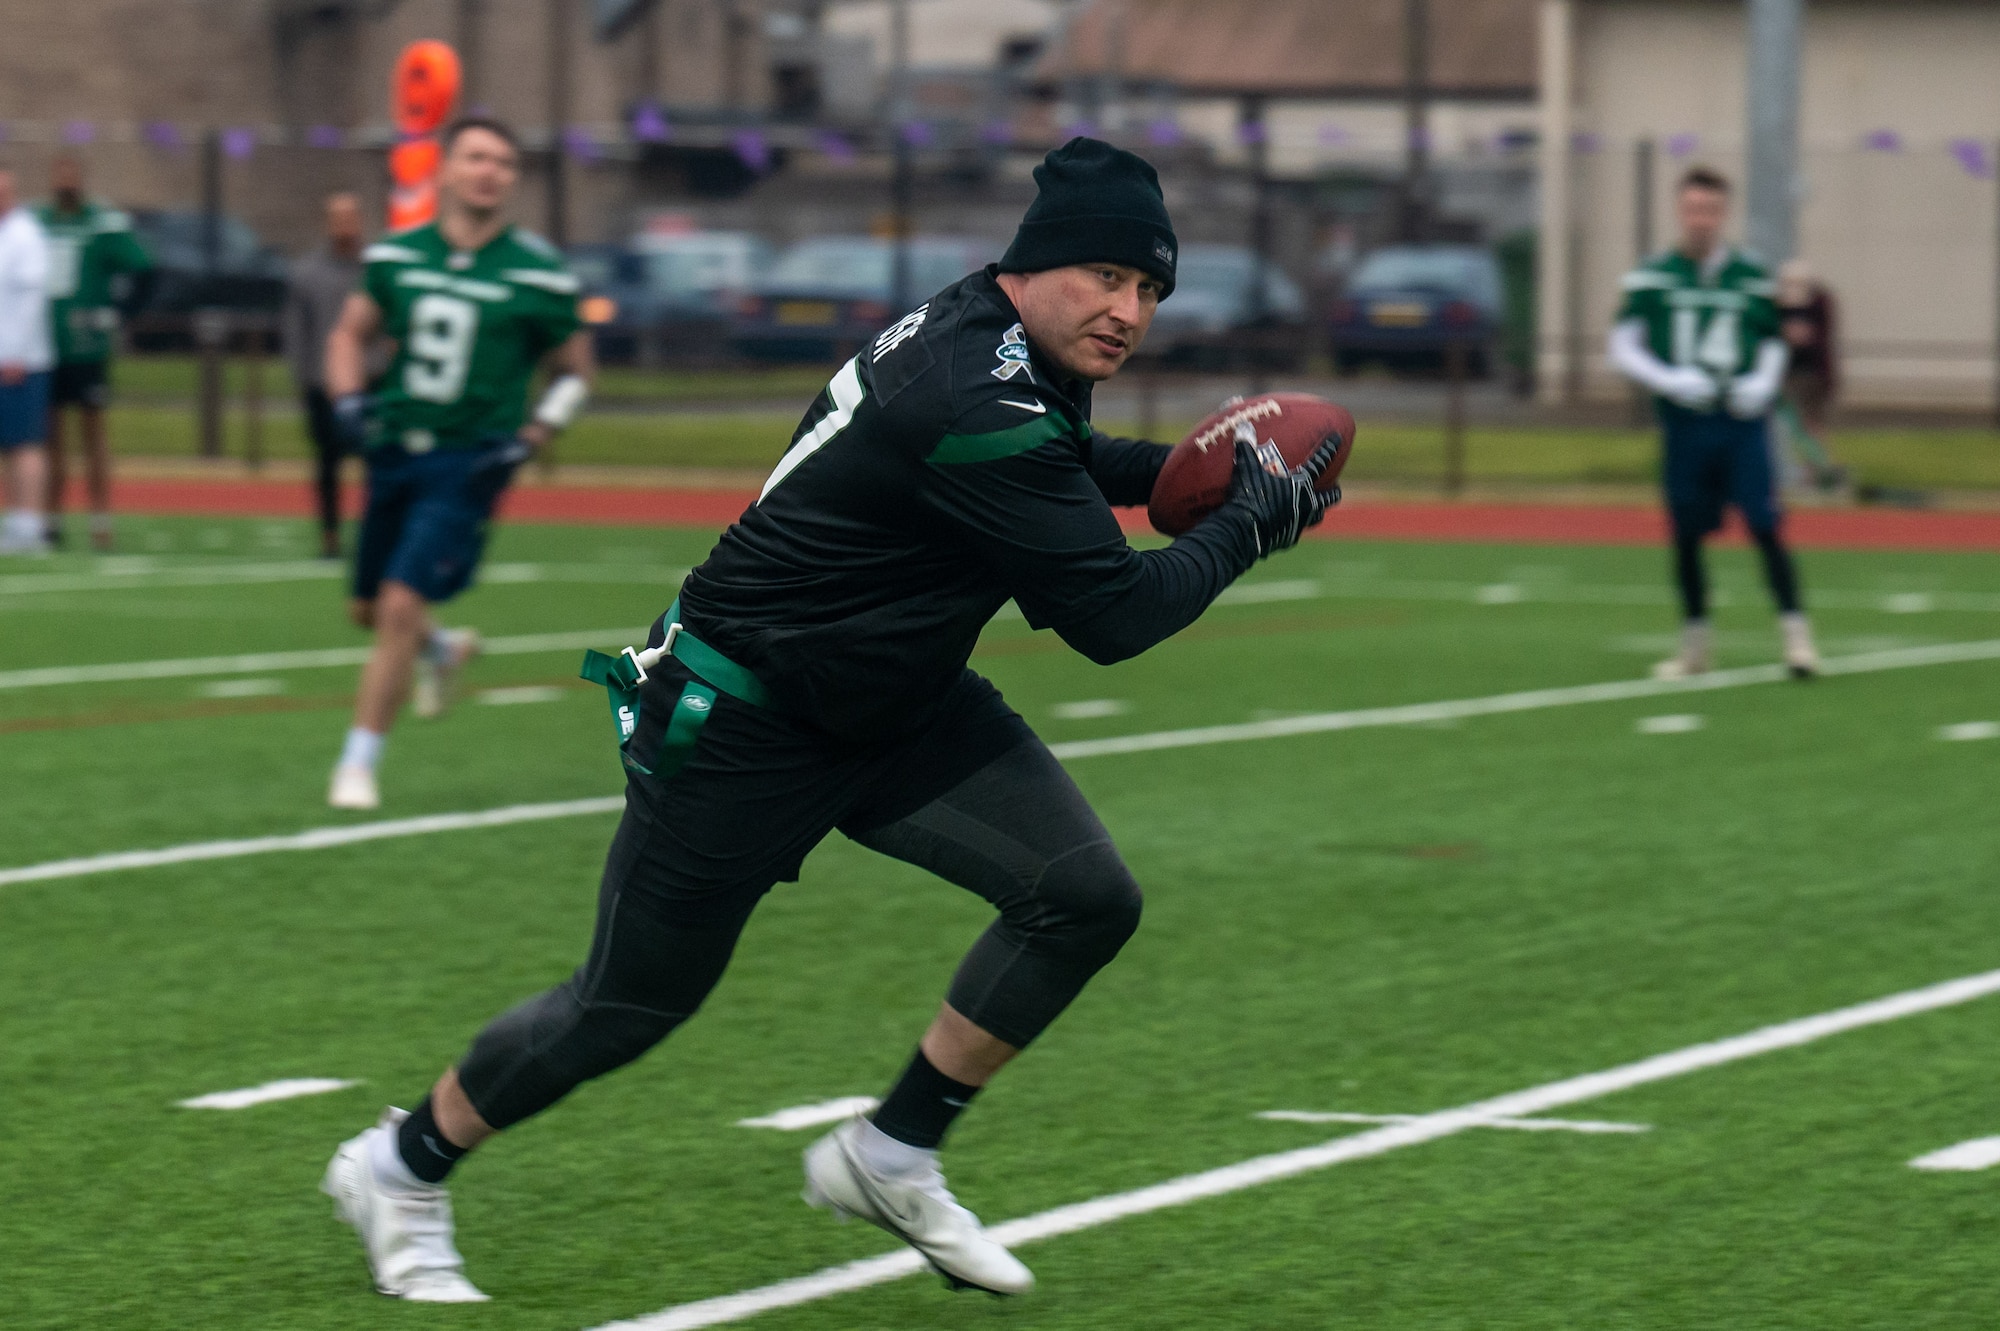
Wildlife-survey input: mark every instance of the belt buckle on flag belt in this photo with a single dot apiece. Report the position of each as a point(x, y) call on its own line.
point(621, 676)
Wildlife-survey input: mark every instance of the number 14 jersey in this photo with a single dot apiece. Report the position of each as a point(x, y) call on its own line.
point(469, 330)
point(1711, 316)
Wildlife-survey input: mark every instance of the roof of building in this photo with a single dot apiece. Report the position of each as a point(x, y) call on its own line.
point(1297, 48)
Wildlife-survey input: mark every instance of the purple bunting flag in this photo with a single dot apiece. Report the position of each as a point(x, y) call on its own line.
point(752, 149)
point(1975, 157)
point(239, 143)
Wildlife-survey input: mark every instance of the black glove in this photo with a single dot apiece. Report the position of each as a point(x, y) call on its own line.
point(350, 420)
point(1282, 504)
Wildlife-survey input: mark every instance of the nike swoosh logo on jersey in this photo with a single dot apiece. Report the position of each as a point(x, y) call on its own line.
point(1039, 408)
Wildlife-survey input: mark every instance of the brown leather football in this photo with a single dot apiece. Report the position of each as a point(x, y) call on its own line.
point(1195, 480)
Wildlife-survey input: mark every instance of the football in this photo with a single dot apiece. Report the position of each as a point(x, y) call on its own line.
point(1290, 426)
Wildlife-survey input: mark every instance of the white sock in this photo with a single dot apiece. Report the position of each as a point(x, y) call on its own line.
point(885, 1155)
point(363, 749)
point(387, 1161)
point(24, 525)
point(1695, 639)
point(437, 647)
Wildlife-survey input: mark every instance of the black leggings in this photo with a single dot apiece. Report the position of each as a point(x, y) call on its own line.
point(1018, 832)
point(1691, 575)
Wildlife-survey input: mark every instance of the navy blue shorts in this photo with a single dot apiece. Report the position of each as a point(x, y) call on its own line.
point(427, 518)
point(24, 411)
point(1714, 460)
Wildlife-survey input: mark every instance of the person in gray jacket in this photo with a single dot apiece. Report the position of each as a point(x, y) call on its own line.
point(320, 284)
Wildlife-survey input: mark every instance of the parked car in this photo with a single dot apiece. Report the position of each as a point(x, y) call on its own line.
point(1406, 304)
point(667, 297)
point(1212, 322)
point(698, 280)
point(827, 296)
point(247, 276)
point(616, 302)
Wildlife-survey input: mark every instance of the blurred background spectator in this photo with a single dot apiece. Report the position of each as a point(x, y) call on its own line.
point(318, 285)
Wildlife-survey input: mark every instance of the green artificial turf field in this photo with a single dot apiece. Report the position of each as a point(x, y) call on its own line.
point(1394, 919)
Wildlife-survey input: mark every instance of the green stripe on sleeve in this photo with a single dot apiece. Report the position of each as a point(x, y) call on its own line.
point(1000, 444)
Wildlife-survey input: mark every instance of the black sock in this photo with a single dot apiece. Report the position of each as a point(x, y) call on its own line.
point(920, 1107)
point(1689, 575)
point(1779, 571)
point(423, 1147)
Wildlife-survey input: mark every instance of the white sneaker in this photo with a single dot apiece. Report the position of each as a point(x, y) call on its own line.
point(431, 692)
point(406, 1233)
point(353, 787)
point(1801, 656)
point(1693, 657)
point(918, 1209)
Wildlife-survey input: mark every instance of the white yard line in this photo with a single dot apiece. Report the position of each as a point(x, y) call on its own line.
point(254, 663)
point(1530, 701)
point(318, 838)
point(812, 1116)
point(143, 576)
point(130, 576)
point(1979, 1153)
point(1518, 1124)
point(1362, 1146)
point(1317, 723)
point(290, 1089)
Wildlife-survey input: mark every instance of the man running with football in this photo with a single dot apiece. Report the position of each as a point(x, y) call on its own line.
point(811, 676)
point(1699, 328)
point(473, 306)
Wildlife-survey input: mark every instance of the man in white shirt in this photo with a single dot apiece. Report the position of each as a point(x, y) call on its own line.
point(26, 355)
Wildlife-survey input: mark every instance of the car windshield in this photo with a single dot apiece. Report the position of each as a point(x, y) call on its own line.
point(855, 268)
point(859, 267)
point(699, 265)
point(176, 238)
point(1222, 273)
point(1465, 273)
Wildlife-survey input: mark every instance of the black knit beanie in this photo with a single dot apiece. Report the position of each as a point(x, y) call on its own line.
point(1096, 204)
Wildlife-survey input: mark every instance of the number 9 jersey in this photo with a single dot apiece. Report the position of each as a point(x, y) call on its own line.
point(1711, 316)
point(469, 331)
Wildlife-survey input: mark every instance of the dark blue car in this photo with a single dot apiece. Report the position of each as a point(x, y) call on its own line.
point(1406, 305)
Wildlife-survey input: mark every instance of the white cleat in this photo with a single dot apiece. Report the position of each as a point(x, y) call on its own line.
point(353, 787)
point(431, 691)
point(918, 1209)
point(406, 1233)
point(1801, 656)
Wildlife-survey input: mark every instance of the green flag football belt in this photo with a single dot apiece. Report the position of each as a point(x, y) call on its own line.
point(621, 676)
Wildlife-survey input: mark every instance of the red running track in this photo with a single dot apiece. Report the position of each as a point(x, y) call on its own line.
point(1553, 524)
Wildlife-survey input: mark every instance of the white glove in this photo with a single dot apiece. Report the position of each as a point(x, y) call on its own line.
point(1751, 396)
point(1685, 386)
point(1753, 393)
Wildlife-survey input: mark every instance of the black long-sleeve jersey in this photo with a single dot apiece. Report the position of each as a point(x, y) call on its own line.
point(945, 469)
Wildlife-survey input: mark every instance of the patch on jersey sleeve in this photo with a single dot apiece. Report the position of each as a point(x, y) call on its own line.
point(1013, 354)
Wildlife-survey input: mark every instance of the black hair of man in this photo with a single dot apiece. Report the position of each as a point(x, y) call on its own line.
point(491, 124)
point(1703, 177)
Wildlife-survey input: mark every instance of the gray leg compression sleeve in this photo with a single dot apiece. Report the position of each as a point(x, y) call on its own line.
point(1020, 834)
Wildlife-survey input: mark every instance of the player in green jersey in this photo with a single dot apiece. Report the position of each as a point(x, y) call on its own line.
point(1699, 328)
point(473, 306)
point(92, 255)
